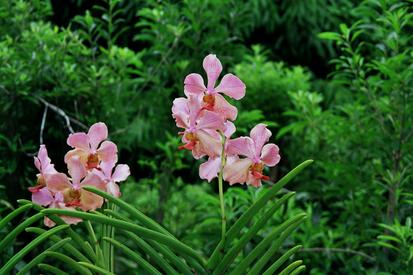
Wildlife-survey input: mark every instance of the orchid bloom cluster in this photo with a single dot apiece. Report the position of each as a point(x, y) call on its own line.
point(91, 162)
point(207, 119)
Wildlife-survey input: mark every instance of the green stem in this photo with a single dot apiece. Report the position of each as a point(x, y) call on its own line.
point(221, 192)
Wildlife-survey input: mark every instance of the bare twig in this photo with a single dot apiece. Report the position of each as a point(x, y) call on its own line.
point(43, 123)
point(338, 250)
point(62, 113)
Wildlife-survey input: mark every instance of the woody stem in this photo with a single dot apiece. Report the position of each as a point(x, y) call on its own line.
point(221, 192)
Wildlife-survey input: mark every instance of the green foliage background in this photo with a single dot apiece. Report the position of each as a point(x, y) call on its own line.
point(333, 79)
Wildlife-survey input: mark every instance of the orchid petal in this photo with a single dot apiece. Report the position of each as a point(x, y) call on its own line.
point(194, 84)
point(222, 107)
point(108, 152)
point(76, 169)
point(209, 169)
point(232, 86)
point(213, 68)
point(113, 189)
point(210, 120)
point(121, 173)
point(229, 129)
point(270, 154)
point(241, 146)
point(89, 200)
point(57, 182)
point(209, 142)
point(253, 181)
point(237, 172)
point(78, 140)
point(260, 135)
point(42, 197)
point(98, 132)
point(80, 153)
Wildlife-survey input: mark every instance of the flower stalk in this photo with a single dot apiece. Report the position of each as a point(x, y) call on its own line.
point(221, 191)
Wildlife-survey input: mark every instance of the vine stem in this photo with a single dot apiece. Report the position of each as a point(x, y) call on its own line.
point(221, 192)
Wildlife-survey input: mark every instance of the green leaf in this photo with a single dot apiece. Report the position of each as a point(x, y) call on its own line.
point(233, 252)
point(329, 36)
point(52, 269)
point(135, 256)
point(39, 258)
point(70, 262)
point(291, 267)
point(142, 231)
point(4, 221)
point(13, 234)
point(274, 267)
point(33, 244)
point(95, 268)
point(252, 210)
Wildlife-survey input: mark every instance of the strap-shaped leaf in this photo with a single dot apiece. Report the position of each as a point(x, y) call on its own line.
point(262, 246)
point(135, 256)
point(39, 258)
point(70, 262)
point(95, 268)
point(33, 244)
point(151, 252)
point(68, 247)
point(291, 267)
point(72, 234)
point(16, 231)
point(52, 269)
point(234, 251)
point(141, 231)
point(274, 267)
point(145, 220)
point(298, 270)
point(252, 210)
point(4, 221)
point(256, 269)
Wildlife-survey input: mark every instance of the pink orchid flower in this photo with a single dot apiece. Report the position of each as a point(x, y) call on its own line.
point(40, 194)
point(90, 148)
point(257, 156)
point(210, 169)
point(112, 176)
point(212, 99)
point(58, 202)
point(200, 126)
point(73, 192)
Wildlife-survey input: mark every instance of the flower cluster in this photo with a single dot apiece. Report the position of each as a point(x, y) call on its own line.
point(206, 117)
point(91, 162)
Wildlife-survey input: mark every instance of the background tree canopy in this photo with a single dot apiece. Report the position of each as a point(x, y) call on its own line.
point(332, 79)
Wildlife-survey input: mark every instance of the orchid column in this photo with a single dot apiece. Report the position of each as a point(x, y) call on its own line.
point(206, 117)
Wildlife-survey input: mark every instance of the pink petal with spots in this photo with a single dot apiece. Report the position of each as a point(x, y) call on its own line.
point(98, 132)
point(210, 169)
point(79, 140)
point(260, 135)
point(121, 173)
point(241, 146)
point(232, 86)
point(237, 172)
point(213, 68)
point(194, 84)
point(270, 154)
point(42, 197)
